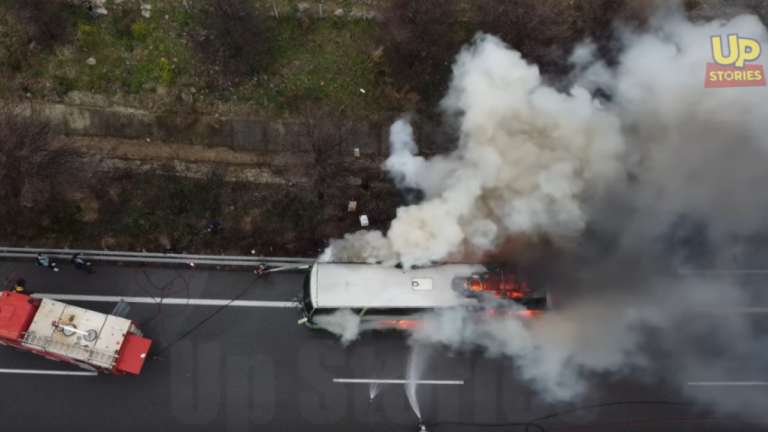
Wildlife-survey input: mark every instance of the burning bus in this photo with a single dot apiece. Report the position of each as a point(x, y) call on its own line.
point(385, 297)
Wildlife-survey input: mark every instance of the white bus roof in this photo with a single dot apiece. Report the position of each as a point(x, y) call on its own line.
point(356, 286)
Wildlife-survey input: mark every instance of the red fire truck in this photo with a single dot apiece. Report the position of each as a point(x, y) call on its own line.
point(91, 340)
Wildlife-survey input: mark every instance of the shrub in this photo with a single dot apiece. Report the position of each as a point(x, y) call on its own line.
point(539, 29)
point(706, 10)
point(421, 39)
point(49, 22)
point(139, 30)
point(164, 71)
point(329, 137)
point(86, 37)
point(545, 31)
point(33, 172)
point(236, 37)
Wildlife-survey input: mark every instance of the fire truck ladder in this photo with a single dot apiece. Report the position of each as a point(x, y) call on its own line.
point(71, 350)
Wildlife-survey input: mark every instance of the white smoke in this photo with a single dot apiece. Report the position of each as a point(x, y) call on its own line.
point(343, 322)
point(532, 160)
point(526, 158)
point(403, 163)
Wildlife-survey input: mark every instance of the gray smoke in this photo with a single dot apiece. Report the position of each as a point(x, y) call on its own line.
point(403, 162)
point(667, 175)
point(527, 158)
point(343, 322)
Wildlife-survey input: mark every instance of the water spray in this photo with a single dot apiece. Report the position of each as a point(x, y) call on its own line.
point(416, 363)
point(263, 270)
point(374, 390)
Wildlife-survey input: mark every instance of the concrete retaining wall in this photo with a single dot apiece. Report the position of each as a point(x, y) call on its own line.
point(247, 134)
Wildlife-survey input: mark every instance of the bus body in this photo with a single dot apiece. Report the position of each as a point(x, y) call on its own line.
point(386, 297)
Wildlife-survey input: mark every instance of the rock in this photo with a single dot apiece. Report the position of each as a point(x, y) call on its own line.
point(366, 15)
point(339, 13)
point(377, 55)
point(186, 97)
point(376, 16)
point(91, 61)
point(164, 240)
point(89, 209)
point(302, 6)
point(304, 20)
point(108, 242)
point(193, 90)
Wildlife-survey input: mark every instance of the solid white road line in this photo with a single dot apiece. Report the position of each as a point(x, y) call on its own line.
point(723, 271)
point(386, 381)
point(46, 372)
point(734, 383)
point(169, 301)
point(745, 310)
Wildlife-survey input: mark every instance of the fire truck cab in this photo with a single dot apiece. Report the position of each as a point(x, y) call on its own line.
point(84, 338)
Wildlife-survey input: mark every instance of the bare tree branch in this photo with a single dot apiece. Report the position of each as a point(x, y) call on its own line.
point(327, 135)
point(34, 172)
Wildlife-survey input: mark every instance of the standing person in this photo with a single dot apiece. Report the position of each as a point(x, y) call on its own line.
point(81, 264)
point(43, 261)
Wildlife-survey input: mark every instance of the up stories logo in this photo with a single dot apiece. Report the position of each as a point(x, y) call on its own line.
point(732, 70)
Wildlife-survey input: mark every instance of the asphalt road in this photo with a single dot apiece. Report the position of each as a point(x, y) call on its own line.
point(255, 368)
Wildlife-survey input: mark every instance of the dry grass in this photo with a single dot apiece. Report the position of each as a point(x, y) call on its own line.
point(705, 10)
point(400, 63)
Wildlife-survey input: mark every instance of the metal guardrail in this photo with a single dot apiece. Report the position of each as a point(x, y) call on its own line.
point(152, 257)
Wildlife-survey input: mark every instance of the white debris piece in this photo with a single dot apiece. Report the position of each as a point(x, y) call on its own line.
point(98, 7)
point(363, 220)
point(91, 61)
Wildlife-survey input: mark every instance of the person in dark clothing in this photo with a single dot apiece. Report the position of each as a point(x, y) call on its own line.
point(91, 9)
point(43, 261)
point(213, 226)
point(21, 286)
point(81, 264)
point(261, 270)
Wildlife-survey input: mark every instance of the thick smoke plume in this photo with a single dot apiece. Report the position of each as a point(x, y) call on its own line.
point(662, 175)
point(526, 159)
